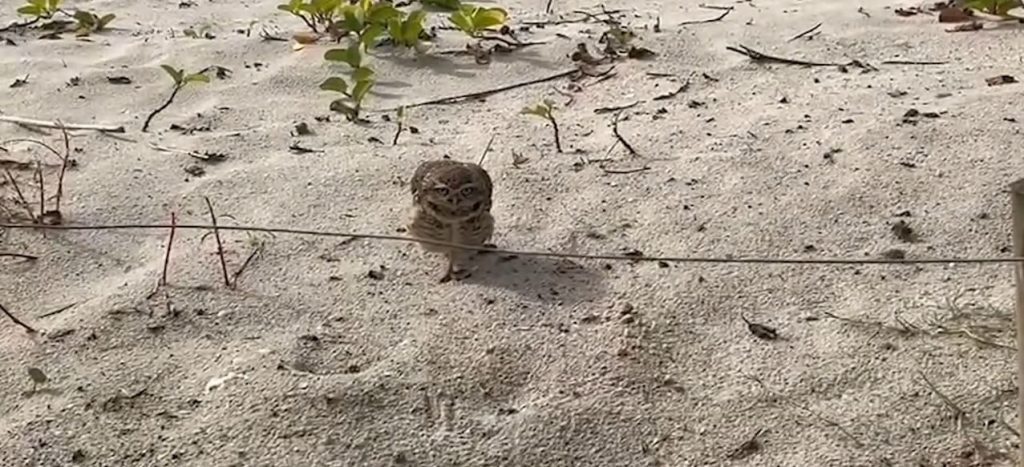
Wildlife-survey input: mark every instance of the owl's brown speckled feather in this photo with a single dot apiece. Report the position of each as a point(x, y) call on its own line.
point(451, 203)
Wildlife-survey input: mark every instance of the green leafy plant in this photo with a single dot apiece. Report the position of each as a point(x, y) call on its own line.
point(40, 9)
point(544, 110)
point(447, 5)
point(351, 104)
point(319, 15)
point(993, 7)
point(89, 22)
point(474, 20)
point(406, 32)
point(180, 81)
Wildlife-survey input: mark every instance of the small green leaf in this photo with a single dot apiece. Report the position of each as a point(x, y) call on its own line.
point(362, 74)
point(395, 31)
point(176, 75)
point(53, 5)
point(539, 110)
point(325, 6)
point(105, 20)
point(334, 84)
point(85, 17)
point(352, 55)
point(370, 35)
point(353, 18)
point(196, 78)
point(412, 27)
point(463, 20)
point(38, 3)
point(485, 18)
point(336, 55)
point(360, 90)
point(30, 10)
point(287, 8)
point(450, 5)
point(382, 12)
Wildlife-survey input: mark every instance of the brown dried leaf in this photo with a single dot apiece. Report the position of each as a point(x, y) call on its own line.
point(954, 15)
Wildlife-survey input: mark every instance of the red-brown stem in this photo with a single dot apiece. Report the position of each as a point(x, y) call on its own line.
point(252, 255)
point(18, 321)
point(42, 190)
point(220, 246)
point(170, 242)
point(21, 197)
point(63, 166)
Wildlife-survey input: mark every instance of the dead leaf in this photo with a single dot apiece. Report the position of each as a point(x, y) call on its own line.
point(19, 82)
point(954, 15)
point(967, 27)
point(1001, 79)
point(119, 80)
point(640, 53)
point(37, 375)
point(761, 331)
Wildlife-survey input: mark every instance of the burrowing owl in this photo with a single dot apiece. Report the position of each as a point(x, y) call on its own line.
point(452, 203)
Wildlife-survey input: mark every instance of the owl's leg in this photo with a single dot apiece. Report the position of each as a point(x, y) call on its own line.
point(450, 272)
point(454, 272)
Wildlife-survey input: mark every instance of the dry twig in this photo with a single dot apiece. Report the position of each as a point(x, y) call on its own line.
point(805, 33)
point(67, 126)
point(170, 244)
point(827, 421)
point(618, 136)
point(731, 259)
point(17, 321)
point(220, 245)
point(485, 93)
point(725, 12)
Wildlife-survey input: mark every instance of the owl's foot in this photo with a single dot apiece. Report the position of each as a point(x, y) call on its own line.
point(453, 273)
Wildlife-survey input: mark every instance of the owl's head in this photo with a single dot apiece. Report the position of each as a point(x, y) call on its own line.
point(456, 192)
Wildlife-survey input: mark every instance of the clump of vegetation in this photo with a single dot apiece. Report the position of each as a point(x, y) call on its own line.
point(85, 22)
point(180, 81)
point(993, 7)
point(319, 15)
point(89, 22)
point(40, 9)
point(366, 21)
point(475, 20)
point(544, 110)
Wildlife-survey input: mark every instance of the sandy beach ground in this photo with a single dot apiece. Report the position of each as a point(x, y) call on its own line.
point(331, 352)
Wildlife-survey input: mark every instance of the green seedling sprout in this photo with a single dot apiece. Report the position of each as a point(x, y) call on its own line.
point(400, 121)
point(543, 110)
point(993, 7)
point(40, 9)
point(445, 5)
point(89, 22)
point(406, 32)
point(351, 104)
point(319, 15)
point(180, 81)
point(474, 20)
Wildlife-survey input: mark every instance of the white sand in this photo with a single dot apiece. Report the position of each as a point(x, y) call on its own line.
point(531, 361)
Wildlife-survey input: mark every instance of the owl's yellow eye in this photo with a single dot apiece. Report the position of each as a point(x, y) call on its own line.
point(441, 190)
point(467, 191)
